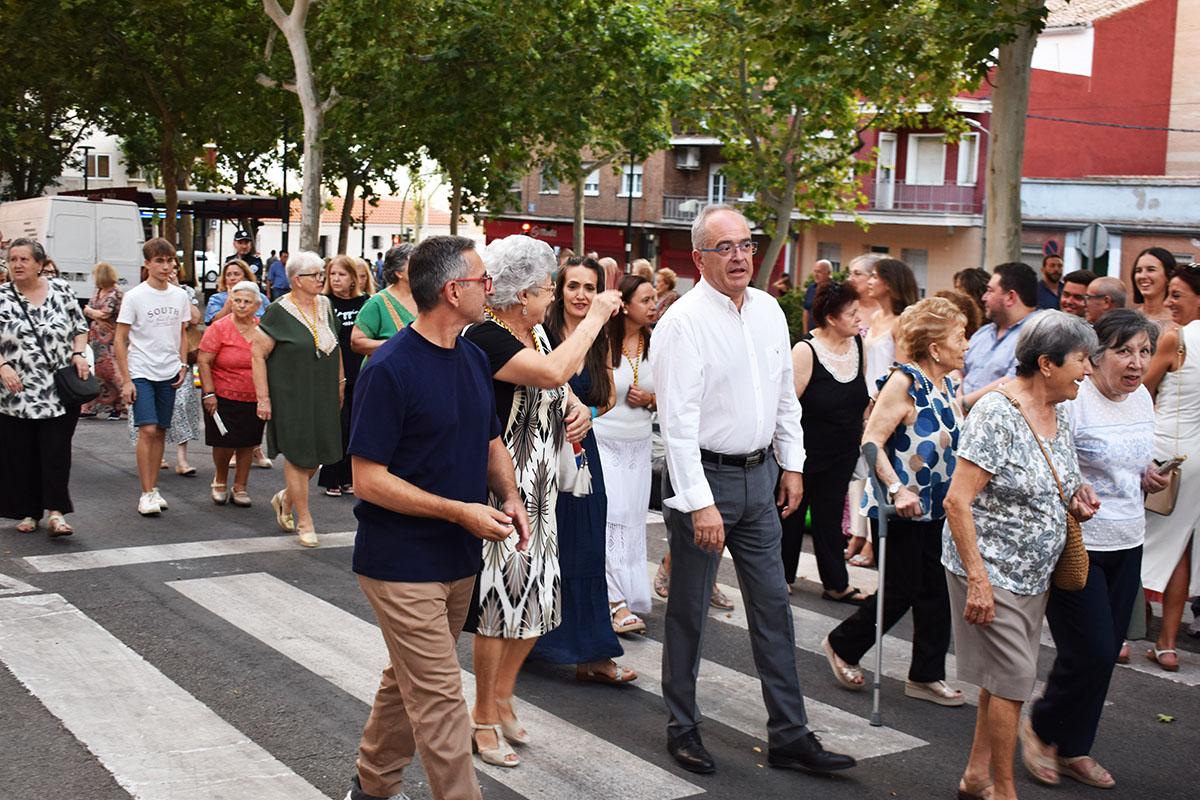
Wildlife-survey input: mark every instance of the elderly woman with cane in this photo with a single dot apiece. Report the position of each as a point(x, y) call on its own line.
point(915, 425)
point(1007, 526)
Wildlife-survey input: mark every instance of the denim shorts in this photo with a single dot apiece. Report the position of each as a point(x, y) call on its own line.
point(154, 404)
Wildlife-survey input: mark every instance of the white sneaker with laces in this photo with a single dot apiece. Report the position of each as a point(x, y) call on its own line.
point(158, 498)
point(148, 506)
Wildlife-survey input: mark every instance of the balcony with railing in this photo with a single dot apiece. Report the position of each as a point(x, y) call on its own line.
point(684, 208)
point(942, 198)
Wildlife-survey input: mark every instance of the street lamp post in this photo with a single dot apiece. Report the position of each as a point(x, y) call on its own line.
point(629, 220)
point(85, 148)
point(363, 254)
point(286, 211)
point(983, 229)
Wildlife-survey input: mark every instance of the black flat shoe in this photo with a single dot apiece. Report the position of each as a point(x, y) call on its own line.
point(689, 753)
point(807, 753)
point(852, 597)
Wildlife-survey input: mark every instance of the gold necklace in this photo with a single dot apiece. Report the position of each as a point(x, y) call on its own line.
point(311, 325)
point(632, 363)
point(487, 312)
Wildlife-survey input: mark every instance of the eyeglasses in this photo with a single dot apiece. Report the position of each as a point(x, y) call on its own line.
point(486, 280)
point(318, 275)
point(726, 250)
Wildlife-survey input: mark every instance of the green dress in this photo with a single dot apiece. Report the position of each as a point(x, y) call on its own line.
point(376, 321)
point(305, 423)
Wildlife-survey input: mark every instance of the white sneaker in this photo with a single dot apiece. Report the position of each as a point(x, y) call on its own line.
point(148, 505)
point(158, 498)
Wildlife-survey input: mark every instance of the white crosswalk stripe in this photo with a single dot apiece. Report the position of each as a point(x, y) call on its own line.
point(158, 741)
point(567, 761)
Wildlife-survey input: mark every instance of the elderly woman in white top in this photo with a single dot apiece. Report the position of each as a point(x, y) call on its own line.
point(1006, 529)
point(1113, 422)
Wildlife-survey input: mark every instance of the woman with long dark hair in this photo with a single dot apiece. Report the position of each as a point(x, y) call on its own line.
point(624, 438)
point(585, 637)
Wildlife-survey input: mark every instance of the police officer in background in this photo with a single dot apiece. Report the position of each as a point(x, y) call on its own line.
point(242, 243)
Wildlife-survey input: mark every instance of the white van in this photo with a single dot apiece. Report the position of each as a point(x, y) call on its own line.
point(77, 233)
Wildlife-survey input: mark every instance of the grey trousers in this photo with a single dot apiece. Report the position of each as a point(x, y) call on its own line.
point(745, 498)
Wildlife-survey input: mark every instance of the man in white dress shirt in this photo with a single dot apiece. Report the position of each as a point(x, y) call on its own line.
point(725, 395)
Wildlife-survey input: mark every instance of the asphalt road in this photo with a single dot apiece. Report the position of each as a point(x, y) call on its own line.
point(238, 664)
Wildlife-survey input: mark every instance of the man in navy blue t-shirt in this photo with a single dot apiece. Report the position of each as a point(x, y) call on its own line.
point(426, 449)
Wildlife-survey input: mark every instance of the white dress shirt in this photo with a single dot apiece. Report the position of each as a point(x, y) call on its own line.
point(725, 385)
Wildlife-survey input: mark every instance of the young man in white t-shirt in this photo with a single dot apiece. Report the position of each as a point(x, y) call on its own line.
point(151, 356)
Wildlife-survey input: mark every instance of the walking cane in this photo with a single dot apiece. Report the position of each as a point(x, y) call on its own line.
point(870, 454)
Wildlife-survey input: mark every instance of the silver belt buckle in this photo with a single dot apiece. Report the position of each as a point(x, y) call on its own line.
point(755, 460)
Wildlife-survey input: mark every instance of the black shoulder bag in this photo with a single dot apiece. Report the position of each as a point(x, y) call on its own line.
point(72, 390)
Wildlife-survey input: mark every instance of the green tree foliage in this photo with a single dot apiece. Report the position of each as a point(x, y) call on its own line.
point(40, 119)
point(790, 87)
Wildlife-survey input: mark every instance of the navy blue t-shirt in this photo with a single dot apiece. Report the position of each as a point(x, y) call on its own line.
point(428, 413)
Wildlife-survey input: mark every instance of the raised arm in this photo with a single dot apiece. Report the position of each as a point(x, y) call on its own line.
point(551, 371)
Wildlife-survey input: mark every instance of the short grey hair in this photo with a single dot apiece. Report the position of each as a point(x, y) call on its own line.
point(1054, 334)
point(517, 263)
point(1118, 326)
point(700, 223)
point(304, 261)
point(35, 248)
point(247, 286)
point(434, 263)
point(1111, 288)
point(395, 262)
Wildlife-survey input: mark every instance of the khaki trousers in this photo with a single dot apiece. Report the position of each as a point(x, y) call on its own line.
point(419, 706)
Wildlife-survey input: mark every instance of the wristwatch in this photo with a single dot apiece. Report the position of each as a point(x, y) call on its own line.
point(893, 488)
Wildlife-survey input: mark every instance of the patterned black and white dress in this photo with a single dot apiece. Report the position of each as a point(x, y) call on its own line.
point(520, 592)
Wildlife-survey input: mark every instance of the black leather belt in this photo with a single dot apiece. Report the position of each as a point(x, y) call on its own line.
point(743, 461)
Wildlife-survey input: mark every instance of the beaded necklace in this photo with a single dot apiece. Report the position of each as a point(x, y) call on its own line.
point(312, 326)
point(632, 363)
point(487, 312)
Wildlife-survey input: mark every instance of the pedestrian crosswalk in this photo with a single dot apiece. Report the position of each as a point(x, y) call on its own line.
point(159, 741)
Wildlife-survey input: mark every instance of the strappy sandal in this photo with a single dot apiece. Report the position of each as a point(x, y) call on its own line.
point(1094, 775)
point(980, 793)
point(1037, 756)
point(502, 756)
point(27, 525)
point(845, 674)
point(662, 579)
point(220, 493)
point(630, 623)
point(938, 692)
point(514, 731)
point(285, 521)
point(584, 672)
point(719, 600)
point(241, 498)
point(1155, 655)
point(57, 526)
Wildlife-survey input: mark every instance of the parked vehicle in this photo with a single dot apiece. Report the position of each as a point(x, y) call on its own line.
point(77, 233)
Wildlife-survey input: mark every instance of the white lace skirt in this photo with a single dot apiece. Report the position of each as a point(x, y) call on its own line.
point(627, 481)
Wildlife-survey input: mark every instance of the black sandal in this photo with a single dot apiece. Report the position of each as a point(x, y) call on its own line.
point(848, 598)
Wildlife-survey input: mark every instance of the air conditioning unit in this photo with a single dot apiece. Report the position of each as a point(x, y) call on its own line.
point(687, 158)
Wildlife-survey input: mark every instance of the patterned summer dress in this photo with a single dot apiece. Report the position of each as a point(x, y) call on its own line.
point(520, 592)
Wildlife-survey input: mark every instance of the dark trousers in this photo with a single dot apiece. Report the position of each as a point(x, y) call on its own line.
point(825, 494)
point(36, 466)
point(1088, 627)
point(746, 501)
point(914, 578)
point(335, 476)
